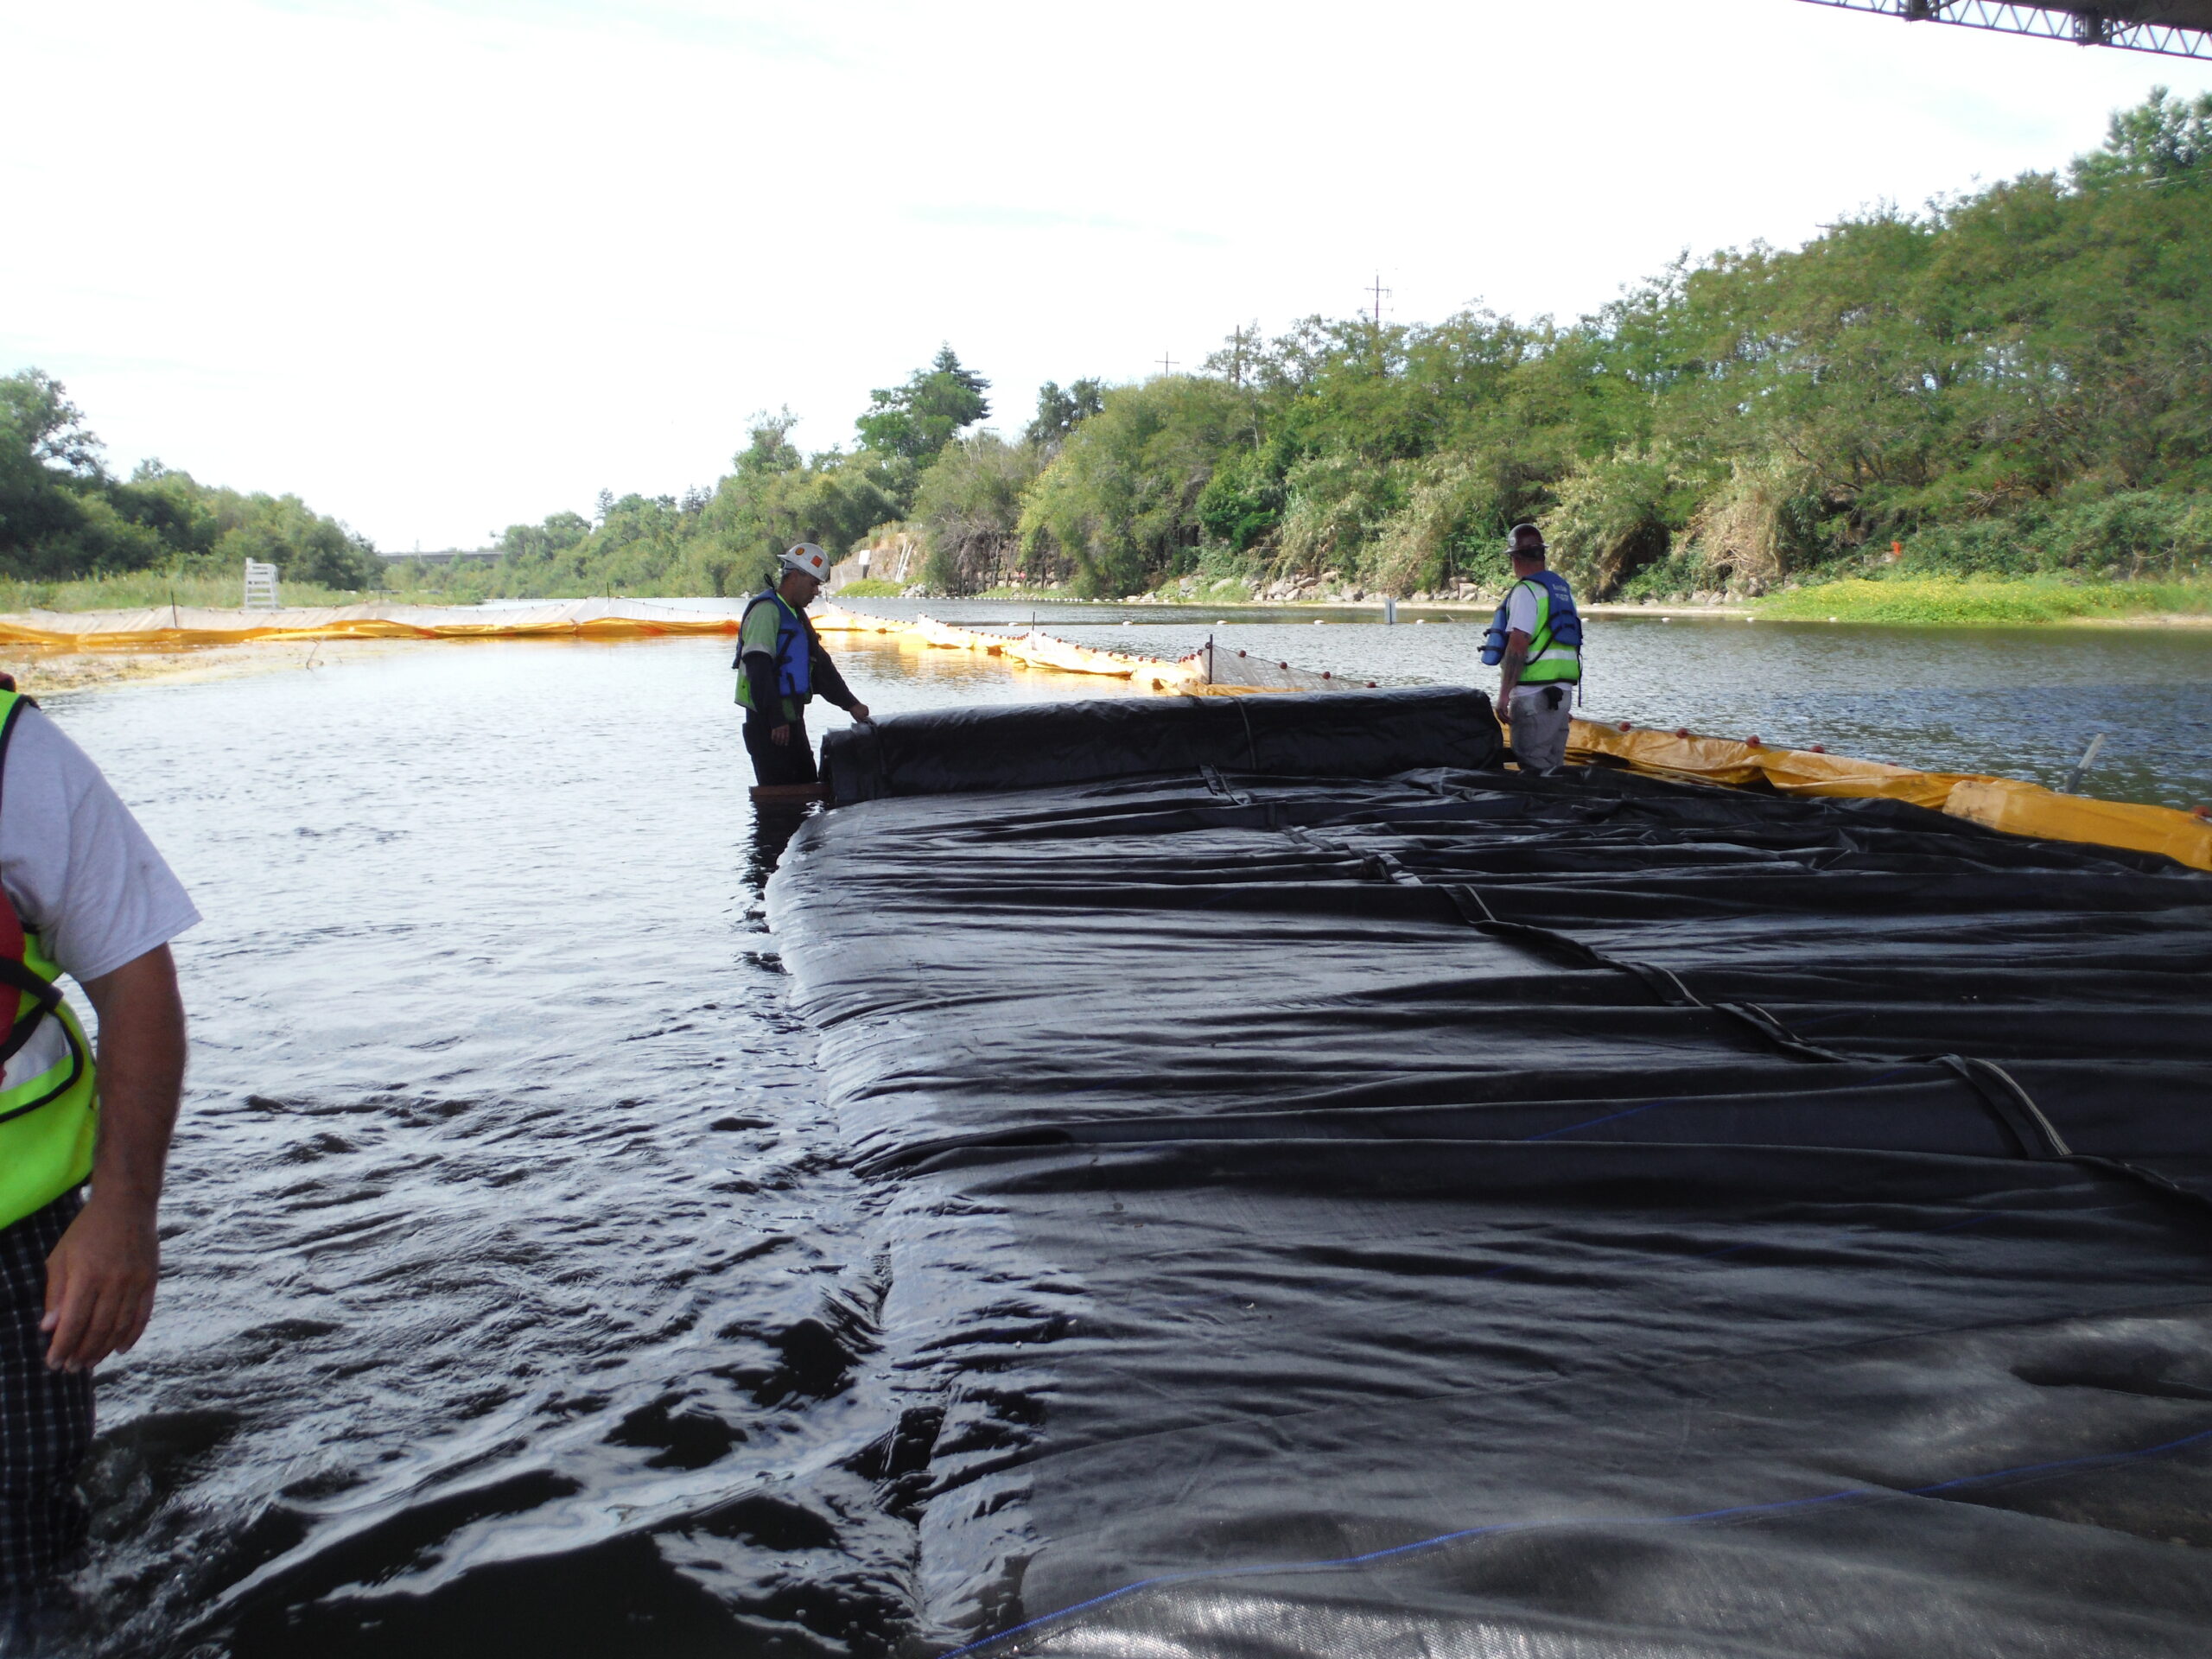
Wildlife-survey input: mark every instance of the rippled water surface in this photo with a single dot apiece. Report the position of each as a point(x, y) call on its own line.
point(517, 1296)
point(510, 1299)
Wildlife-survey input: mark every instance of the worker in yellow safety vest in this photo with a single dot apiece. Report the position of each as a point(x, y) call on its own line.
point(782, 667)
point(82, 890)
point(1536, 644)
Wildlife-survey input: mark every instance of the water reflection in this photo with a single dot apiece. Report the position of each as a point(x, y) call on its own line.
point(940, 674)
point(772, 829)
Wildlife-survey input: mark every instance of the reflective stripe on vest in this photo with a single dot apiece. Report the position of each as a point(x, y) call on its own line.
point(794, 658)
point(48, 1115)
point(1551, 661)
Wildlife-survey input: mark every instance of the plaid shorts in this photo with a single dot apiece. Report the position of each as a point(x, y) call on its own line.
point(45, 1417)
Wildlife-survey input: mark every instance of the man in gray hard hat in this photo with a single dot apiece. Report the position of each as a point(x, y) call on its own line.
point(1536, 643)
point(782, 667)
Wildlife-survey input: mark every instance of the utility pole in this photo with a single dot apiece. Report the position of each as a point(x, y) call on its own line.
point(1166, 364)
point(1381, 294)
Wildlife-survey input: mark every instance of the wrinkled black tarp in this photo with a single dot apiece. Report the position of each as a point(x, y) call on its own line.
point(1324, 735)
point(1464, 1213)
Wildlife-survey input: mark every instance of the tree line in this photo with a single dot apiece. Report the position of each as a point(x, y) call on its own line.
point(2013, 380)
point(722, 540)
point(64, 516)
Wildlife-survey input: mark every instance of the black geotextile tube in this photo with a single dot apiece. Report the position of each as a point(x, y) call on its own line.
point(1325, 735)
point(1476, 1212)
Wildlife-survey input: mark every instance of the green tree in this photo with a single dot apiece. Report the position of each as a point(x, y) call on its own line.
point(62, 516)
point(913, 421)
point(1120, 502)
point(35, 409)
point(969, 510)
point(2164, 138)
point(1059, 413)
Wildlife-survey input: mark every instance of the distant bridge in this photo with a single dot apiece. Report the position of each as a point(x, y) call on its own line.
point(2178, 29)
point(444, 556)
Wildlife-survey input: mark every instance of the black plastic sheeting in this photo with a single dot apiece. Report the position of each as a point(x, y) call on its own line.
point(1464, 1213)
point(1324, 735)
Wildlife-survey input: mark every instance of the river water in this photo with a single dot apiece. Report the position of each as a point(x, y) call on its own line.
point(518, 1294)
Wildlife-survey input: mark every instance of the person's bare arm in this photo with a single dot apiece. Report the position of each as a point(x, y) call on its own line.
point(1508, 672)
point(100, 1278)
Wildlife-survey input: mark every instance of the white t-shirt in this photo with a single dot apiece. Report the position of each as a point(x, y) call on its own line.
point(1521, 608)
point(77, 867)
point(1521, 612)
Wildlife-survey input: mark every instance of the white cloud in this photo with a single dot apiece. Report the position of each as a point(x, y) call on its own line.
point(441, 267)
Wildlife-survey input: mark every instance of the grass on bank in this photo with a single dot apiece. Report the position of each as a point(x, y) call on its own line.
point(136, 589)
point(1985, 601)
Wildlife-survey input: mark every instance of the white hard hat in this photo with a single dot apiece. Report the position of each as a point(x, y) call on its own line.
point(808, 560)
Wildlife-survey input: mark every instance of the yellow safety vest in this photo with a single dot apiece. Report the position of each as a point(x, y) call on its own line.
point(49, 1112)
point(1554, 649)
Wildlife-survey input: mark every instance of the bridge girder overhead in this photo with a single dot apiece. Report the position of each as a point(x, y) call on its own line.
point(2180, 28)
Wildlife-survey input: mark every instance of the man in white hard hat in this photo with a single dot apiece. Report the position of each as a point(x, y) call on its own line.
point(782, 667)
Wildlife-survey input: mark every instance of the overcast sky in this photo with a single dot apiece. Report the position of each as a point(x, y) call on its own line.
point(441, 267)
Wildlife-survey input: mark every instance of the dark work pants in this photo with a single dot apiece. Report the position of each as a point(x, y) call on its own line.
point(792, 763)
point(45, 1417)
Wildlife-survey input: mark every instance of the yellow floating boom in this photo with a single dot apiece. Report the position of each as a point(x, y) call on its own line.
point(2007, 804)
point(1186, 679)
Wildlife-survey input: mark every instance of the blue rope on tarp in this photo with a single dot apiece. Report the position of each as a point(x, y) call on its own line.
point(1741, 1511)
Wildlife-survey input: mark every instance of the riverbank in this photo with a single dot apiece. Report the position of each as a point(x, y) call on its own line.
point(40, 673)
point(1898, 602)
point(134, 590)
point(1909, 600)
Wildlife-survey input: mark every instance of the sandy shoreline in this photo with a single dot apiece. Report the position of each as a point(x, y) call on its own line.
point(44, 671)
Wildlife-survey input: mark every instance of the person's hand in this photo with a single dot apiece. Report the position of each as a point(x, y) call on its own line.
point(781, 737)
point(100, 1282)
point(858, 710)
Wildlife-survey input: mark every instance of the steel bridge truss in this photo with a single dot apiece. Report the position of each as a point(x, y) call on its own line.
point(2082, 26)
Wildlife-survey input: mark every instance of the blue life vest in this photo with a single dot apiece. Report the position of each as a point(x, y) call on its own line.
point(794, 651)
point(1557, 642)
